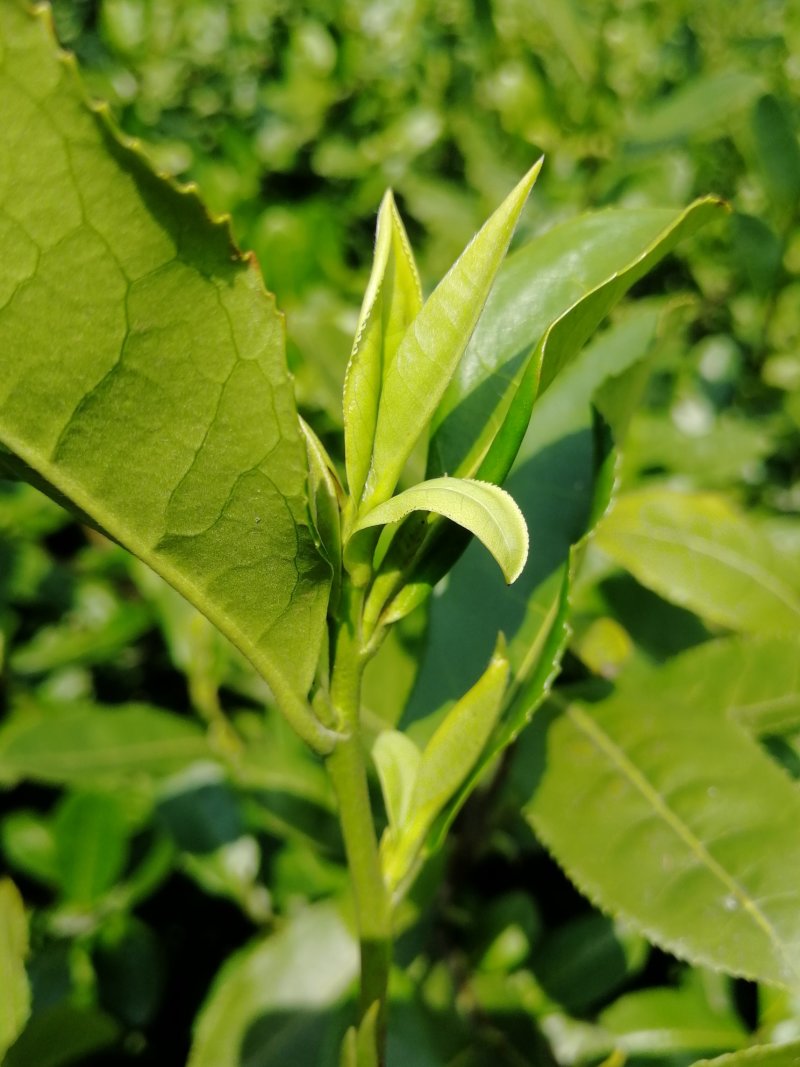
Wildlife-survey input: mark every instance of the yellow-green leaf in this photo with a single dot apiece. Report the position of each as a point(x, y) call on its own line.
point(142, 369)
point(434, 343)
point(14, 990)
point(484, 509)
point(392, 300)
point(701, 551)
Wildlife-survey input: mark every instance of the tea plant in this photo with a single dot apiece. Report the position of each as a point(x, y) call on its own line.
point(145, 386)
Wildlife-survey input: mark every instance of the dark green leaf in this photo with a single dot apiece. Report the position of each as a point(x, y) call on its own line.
point(91, 845)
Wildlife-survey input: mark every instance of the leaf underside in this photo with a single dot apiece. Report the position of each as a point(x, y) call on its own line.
point(142, 370)
point(484, 509)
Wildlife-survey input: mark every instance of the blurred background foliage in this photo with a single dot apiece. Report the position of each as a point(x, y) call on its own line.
point(143, 874)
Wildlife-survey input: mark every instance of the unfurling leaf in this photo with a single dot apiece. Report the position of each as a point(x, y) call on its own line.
point(484, 509)
point(446, 763)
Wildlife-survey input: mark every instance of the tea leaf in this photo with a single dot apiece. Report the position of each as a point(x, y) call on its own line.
point(541, 312)
point(143, 370)
point(698, 550)
point(92, 742)
point(787, 1055)
point(433, 345)
point(700, 855)
point(391, 302)
point(15, 1001)
point(396, 760)
point(277, 995)
point(446, 763)
point(484, 509)
point(91, 845)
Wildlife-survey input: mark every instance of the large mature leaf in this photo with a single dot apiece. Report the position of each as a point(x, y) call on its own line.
point(434, 343)
point(15, 999)
point(548, 299)
point(753, 680)
point(271, 1003)
point(484, 509)
point(143, 373)
point(89, 742)
point(700, 551)
point(664, 811)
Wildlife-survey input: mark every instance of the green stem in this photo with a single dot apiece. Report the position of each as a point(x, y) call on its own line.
point(348, 774)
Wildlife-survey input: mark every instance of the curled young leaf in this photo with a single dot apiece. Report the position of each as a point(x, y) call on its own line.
point(486, 510)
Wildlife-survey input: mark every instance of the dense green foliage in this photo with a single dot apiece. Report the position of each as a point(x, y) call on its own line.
point(179, 886)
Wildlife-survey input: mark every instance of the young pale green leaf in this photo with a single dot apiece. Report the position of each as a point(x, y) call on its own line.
point(541, 312)
point(16, 997)
point(434, 343)
point(787, 1055)
point(396, 760)
point(94, 743)
point(273, 1002)
point(446, 763)
point(700, 854)
point(29, 845)
point(143, 370)
point(360, 1046)
point(391, 302)
point(700, 551)
point(484, 509)
point(324, 497)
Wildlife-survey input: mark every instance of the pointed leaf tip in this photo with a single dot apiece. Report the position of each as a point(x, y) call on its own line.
point(431, 347)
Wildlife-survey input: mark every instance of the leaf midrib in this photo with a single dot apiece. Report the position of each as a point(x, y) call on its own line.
point(87, 503)
point(608, 747)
